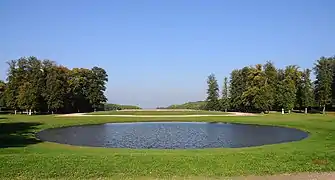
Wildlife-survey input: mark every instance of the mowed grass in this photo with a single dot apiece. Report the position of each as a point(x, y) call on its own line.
point(156, 112)
point(24, 157)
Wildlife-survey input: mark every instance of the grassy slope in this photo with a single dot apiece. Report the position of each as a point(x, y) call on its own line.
point(156, 112)
point(50, 160)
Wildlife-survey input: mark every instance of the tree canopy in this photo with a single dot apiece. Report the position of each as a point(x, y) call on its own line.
point(263, 88)
point(44, 86)
point(212, 100)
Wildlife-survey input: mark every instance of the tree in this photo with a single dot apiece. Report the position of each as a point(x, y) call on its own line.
point(12, 89)
point(78, 89)
point(43, 86)
point(332, 59)
point(324, 78)
point(286, 88)
point(56, 87)
point(212, 100)
point(290, 86)
point(225, 95)
point(305, 90)
point(271, 80)
point(97, 81)
point(257, 93)
point(2, 94)
point(237, 87)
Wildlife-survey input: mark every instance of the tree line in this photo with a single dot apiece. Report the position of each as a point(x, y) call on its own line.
point(264, 88)
point(198, 105)
point(43, 86)
point(113, 107)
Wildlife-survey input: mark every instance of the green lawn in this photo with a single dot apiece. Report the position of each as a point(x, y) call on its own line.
point(24, 157)
point(155, 112)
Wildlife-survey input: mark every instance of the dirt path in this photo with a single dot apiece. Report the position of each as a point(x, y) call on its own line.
point(131, 115)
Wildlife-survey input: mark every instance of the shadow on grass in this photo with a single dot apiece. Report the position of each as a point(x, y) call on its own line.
point(17, 134)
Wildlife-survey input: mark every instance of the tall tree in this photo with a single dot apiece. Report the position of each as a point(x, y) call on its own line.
point(2, 93)
point(78, 89)
point(287, 87)
point(324, 78)
point(225, 95)
point(292, 76)
point(305, 89)
point(237, 87)
point(97, 81)
point(332, 59)
point(271, 82)
point(14, 82)
point(56, 87)
point(212, 100)
point(257, 93)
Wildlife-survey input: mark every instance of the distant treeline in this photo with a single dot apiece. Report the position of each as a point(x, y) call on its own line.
point(43, 86)
point(113, 107)
point(198, 105)
point(264, 88)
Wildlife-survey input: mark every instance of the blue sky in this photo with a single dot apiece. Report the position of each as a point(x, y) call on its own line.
point(158, 53)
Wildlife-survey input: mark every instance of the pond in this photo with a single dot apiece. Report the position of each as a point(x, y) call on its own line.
point(171, 135)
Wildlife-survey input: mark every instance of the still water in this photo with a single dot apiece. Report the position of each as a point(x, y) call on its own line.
point(171, 135)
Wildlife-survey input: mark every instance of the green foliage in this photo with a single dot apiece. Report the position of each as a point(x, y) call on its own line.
point(212, 100)
point(56, 87)
point(271, 83)
point(198, 105)
point(113, 107)
point(96, 87)
point(257, 95)
point(290, 87)
point(225, 95)
point(324, 79)
point(264, 88)
point(44, 86)
point(2, 93)
point(238, 81)
point(305, 94)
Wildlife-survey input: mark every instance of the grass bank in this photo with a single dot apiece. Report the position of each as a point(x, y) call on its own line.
point(24, 157)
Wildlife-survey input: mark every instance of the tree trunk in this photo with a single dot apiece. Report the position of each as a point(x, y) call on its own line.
point(305, 110)
point(282, 110)
point(29, 112)
point(15, 111)
point(289, 111)
point(324, 109)
point(225, 110)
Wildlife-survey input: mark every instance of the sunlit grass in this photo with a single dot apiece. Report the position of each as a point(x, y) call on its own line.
point(23, 158)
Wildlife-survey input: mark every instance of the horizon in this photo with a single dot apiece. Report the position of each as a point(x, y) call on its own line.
point(160, 53)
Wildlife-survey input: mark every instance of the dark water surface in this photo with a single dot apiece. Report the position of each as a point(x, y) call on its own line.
point(171, 135)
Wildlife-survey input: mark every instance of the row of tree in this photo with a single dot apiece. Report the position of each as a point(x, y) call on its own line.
point(113, 107)
point(198, 105)
point(35, 85)
point(265, 87)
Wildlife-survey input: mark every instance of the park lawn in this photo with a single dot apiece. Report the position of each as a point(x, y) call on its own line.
point(23, 157)
point(156, 112)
